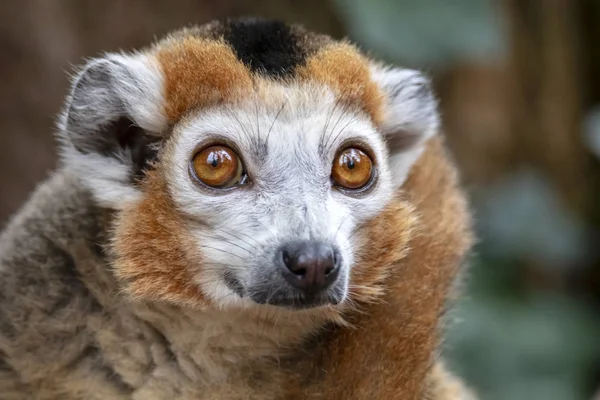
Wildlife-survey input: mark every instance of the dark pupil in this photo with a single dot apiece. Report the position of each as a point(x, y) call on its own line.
point(213, 159)
point(350, 162)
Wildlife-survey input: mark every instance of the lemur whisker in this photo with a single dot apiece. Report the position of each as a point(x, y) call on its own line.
point(242, 126)
point(339, 103)
point(253, 138)
point(342, 114)
point(341, 131)
point(252, 246)
point(327, 121)
point(257, 119)
point(340, 226)
point(225, 240)
point(275, 120)
point(223, 251)
point(214, 263)
point(246, 235)
point(344, 111)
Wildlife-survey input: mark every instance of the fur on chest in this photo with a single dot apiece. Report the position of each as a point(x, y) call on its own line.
point(165, 352)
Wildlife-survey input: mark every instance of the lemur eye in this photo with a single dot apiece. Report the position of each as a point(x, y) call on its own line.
point(218, 166)
point(352, 169)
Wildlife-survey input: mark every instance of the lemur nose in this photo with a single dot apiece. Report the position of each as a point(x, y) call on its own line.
point(310, 266)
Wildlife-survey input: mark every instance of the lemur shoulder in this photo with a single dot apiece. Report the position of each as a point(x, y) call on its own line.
point(243, 210)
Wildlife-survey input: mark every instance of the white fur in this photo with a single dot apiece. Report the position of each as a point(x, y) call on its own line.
point(106, 178)
point(144, 96)
point(411, 109)
point(135, 90)
point(290, 177)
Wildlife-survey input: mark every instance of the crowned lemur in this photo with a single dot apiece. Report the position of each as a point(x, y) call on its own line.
point(243, 210)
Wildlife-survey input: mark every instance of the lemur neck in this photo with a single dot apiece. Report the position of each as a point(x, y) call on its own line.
point(209, 344)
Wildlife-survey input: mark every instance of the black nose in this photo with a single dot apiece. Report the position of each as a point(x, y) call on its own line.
point(310, 266)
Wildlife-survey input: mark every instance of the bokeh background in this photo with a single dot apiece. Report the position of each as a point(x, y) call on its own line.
point(519, 84)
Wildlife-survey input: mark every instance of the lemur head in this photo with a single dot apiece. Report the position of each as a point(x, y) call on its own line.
point(250, 163)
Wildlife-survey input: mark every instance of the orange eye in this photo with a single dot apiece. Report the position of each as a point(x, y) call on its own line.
point(352, 169)
point(218, 166)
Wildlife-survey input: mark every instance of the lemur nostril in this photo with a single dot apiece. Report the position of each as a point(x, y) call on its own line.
point(286, 257)
point(310, 266)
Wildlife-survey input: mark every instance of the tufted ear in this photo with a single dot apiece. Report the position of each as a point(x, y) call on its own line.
point(410, 117)
point(112, 125)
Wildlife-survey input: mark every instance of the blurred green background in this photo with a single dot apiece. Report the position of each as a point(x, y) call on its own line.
point(519, 84)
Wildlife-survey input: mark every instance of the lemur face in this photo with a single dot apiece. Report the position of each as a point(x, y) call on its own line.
point(247, 162)
point(273, 187)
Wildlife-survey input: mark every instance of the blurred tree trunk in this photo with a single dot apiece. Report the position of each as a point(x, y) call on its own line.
point(546, 99)
point(40, 40)
point(550, 93)
point(529, 110)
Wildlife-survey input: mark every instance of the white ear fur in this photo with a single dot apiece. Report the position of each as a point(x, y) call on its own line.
point(140, 85)
point(114, 109)
point(410, 117)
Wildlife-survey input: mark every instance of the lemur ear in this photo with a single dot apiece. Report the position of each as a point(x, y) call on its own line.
point(410, 117)
point(112, 125)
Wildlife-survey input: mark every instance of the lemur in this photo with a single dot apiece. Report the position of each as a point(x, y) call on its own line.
point(242, 210)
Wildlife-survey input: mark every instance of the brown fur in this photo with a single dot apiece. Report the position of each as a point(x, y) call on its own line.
point(385, 241)
point(199, 72)
point(94, 344)
point(346, 71)
point(442, 385)
point(72, 328)
point(152, 251)
point(390, 355)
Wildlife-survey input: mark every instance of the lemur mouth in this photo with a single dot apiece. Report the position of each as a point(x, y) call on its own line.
point(299, 301)
point(291, 299)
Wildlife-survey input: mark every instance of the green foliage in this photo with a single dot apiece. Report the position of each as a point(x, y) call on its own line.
point(540, 347)
point(512, 341)
point(522, 218)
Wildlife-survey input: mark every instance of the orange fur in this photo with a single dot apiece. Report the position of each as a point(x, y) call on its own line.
point(384, 242)
point(346, 71)
point(390, 355)
point(199, 72)
point(152, 249)
point(409, 255)
point(443, 385)
point(408, 258)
